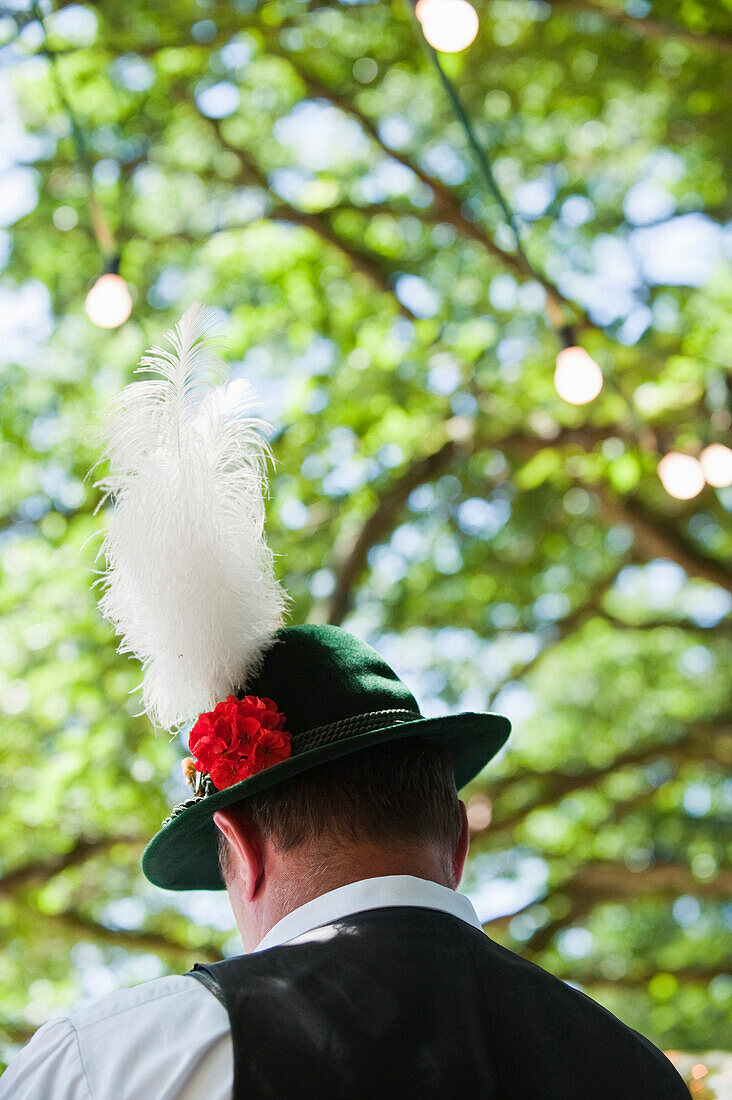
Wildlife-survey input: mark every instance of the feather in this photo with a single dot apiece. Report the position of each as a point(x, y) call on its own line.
point(189, 579)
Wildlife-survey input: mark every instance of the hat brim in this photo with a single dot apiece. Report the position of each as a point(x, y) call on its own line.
point(183, 855)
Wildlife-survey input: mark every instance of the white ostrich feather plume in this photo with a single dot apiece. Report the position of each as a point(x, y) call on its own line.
point(189, 579)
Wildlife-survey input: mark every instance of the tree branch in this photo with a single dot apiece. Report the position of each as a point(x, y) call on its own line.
point(16, 1032)
point(605, 881)
point(132, 939)
point(657, 537)
point(447, 204)
point(585, 892)
point(382, 520)
point(645, 26)
point(361, 260)
point(602, 878)
point(421, 470)
point(722, 627)
point(569, 625)
point(697, 743)
point(44, 869)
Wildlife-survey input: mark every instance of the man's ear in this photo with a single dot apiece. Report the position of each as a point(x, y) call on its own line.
point(461, 850)
point(245, 849)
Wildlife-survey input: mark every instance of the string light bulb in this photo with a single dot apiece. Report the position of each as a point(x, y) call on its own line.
point(448, 25)
point(716, 464)
point(681, 475)
point(108, 303)
point(577, 377)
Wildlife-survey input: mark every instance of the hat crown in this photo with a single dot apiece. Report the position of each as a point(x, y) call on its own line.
point(322, 674)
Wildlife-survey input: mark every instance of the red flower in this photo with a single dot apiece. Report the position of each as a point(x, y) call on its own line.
point(239, 738)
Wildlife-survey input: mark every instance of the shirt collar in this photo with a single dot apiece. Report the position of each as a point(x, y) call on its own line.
point(369, 893)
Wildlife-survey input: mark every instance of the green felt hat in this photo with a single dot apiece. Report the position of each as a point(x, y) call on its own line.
point(338, 696)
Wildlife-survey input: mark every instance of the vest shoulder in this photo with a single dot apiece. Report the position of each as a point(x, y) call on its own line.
point(554, 998)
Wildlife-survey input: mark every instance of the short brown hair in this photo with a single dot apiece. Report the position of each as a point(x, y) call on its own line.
point(399, 792)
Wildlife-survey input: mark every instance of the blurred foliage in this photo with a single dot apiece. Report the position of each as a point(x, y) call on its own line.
point(297, 166)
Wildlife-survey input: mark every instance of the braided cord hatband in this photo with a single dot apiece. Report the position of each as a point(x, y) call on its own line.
point(315, 739)
point(349, 727)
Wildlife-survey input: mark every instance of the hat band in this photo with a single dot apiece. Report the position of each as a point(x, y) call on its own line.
point(349, 727)
point(314, 739)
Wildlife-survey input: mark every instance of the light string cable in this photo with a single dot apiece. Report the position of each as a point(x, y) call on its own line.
point(645, 434)
point(555, 312)
point(564, 330)
point(487, 173)
point(100, 227)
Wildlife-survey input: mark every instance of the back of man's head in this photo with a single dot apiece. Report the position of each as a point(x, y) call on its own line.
point(399, 796)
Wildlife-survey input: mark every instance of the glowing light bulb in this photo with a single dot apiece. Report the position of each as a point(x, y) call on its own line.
point(716, 462)
point(448, 25)
point(577, 378)
point(681, 475)
point(108, 303)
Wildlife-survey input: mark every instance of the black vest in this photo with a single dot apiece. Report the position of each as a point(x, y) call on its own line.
point(407, 1002)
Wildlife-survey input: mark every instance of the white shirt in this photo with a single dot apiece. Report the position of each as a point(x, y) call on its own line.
point(169, 1039)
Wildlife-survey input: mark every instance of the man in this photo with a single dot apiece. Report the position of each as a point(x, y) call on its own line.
point(367, 975)
point(331, 802)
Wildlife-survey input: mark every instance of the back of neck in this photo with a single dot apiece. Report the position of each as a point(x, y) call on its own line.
point(303, 878)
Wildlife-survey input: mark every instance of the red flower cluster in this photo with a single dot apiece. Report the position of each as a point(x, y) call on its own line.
point(239, 738)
